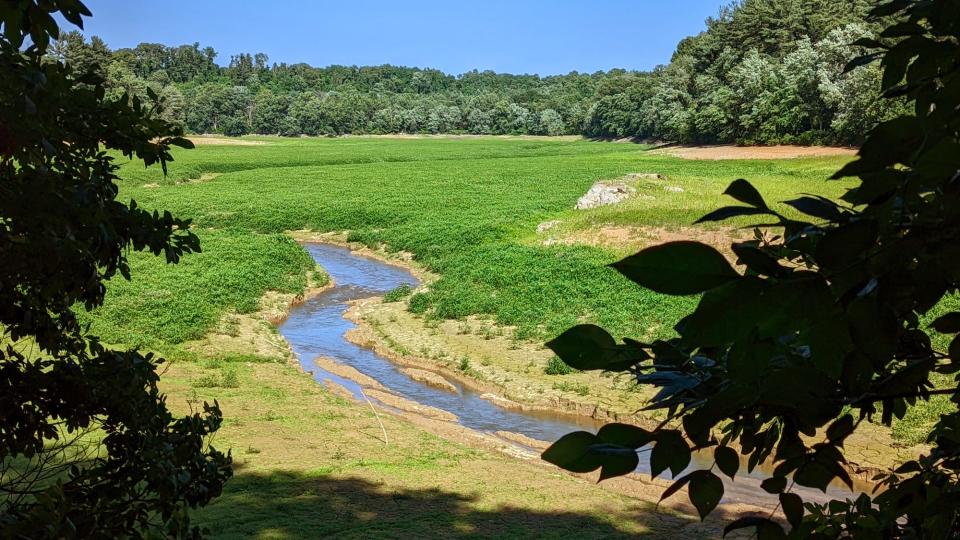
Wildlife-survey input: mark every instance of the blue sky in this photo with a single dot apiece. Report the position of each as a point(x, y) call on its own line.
point(521, 36)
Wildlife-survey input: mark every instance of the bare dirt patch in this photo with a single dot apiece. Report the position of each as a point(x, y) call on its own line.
point(729, 151)
point(205, 177)
point(635, 238)
point(202, 140)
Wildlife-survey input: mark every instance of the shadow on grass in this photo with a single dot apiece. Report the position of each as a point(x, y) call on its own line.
point(294, 505)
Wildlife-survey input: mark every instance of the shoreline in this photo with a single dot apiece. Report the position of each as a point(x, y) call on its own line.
point(365, 335)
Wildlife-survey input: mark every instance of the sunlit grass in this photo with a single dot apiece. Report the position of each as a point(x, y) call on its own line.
point(468, 209)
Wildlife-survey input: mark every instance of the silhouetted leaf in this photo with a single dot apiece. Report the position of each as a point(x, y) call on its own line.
point(758, 261)
point(843, 246)
point(774, 484)
point(674, 487)
point(670, 451)
point(947, 324)
point(792, 506)
point(626, 435)
point(615, 460)
point(728, 212)
point(840, 428)
point(816, 207)
point(744, 192)
point(570, 452)
point(678, 268)
point(587, 346)
point(728, 460)
point(813, 475)
point(706, 490)
point(766, 529)
point(861, 61)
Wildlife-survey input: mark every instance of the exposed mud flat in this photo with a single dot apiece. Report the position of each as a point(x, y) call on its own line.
point(201, 140)
point(507, 373)
point(430, 378)
point(508, 381)
point(629, 238)
point(348, 372)
point(410, 406)
point(729, 151)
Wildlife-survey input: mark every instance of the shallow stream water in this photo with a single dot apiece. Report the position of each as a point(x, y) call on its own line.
point(317, 329)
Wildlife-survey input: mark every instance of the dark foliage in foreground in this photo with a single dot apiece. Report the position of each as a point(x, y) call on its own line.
point(87, 445)
point(823, 330)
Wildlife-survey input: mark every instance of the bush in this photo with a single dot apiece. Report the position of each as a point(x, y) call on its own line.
point(419, 303)
point(398, 293)
point(556, 366)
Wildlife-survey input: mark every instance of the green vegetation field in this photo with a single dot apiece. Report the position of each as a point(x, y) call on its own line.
point(467, 209)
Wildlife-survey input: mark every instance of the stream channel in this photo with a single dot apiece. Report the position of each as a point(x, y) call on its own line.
point(317, 327)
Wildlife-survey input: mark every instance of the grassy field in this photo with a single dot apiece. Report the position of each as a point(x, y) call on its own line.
point(309, 464)
point(468, 210)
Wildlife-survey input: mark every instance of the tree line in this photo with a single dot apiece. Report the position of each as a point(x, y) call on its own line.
point(764, 71)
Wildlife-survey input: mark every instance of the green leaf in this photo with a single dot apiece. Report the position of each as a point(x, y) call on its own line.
point(706, 490)
point(744, 192)
point(587, 346)
point(670, 451)
point(571, 452)
point(678, 268)
point(728, 460)
point(792, 506)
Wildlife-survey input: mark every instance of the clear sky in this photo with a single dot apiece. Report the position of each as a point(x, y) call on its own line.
point(521, 36)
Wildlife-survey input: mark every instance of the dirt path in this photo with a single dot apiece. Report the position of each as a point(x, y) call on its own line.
point(729, 151)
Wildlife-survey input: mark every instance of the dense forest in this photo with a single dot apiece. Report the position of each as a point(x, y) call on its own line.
point(764, 71)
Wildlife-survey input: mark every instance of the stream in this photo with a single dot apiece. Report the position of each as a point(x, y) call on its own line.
point(317, 327)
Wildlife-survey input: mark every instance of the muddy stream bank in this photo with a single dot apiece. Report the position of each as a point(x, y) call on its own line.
point(316, 329)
